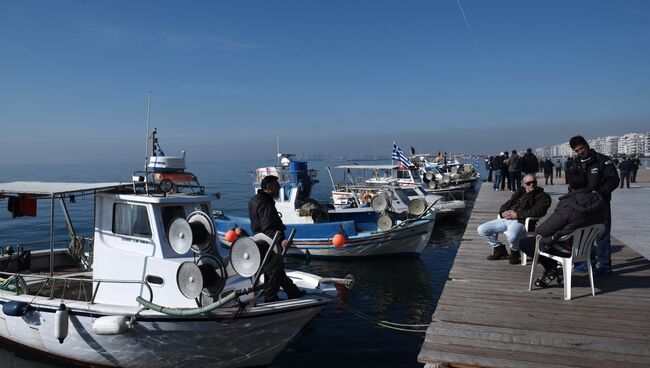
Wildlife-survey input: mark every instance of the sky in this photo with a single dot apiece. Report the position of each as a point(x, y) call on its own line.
point(342, 77)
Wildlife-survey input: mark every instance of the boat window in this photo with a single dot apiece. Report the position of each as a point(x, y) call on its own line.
point(410, 192)
point(171, 212)
point(402, 196)
point(416, 176)
point(130, 219)
point(403, 174)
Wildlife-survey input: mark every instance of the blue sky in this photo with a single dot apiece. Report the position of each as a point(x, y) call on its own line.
point(228, 77)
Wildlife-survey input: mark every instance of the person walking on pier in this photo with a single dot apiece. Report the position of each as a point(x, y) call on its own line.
point(558, 168)
point(488, 168)
point(602, 177)
point(529, 163)
point(504, 171)
point(548, 170)
point(636, 163)
point(580, 207)
point(528, 201)
point(567, 165)
point(497, 162)
point(514, 171)
point(624, 168)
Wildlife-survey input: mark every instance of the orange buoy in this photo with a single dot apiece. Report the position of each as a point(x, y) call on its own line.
point(338, 240)
point(231, 236)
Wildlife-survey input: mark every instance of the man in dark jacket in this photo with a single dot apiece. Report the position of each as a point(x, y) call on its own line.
point(497, 162)
point(529, 201)
point(579, 208)
point(265, 219)
point(529, 164)
point(602, 178)
point(548, 170)
point(625, 168)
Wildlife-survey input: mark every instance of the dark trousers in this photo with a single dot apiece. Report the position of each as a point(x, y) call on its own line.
point(634, 175)
point(527, 245)
point(504, 179)
point(514, 178)
point(277, 279)
point(558, 172)
point(625, 177)
point(489, 179)
point(548, 175)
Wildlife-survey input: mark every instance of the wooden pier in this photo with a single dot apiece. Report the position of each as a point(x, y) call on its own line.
point(486, 317)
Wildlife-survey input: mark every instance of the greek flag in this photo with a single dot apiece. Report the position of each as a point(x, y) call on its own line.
point(398, 155)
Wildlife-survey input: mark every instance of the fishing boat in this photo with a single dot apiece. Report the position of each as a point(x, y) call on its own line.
point(444, 173)
point(359, 184)
point(147, 288)
point(323, 232)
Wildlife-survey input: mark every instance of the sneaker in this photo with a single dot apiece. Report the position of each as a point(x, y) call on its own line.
point(603, 271)
point(580, 267)
point(545, 279)
point(499, 252)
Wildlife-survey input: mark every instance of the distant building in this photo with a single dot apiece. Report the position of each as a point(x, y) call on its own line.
point(628, 144)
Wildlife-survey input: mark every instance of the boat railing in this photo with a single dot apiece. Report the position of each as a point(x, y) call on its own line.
point(21, 281)
point(155, 182)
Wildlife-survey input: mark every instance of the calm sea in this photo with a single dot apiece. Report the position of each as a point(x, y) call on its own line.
point(403, 291)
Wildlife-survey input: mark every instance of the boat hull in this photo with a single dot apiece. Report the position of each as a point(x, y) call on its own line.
point(404, 241)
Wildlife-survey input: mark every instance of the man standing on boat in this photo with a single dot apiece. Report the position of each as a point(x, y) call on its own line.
point(602, 178)
point(265, 219)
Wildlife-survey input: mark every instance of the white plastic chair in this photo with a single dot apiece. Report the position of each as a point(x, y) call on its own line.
point(583, 239)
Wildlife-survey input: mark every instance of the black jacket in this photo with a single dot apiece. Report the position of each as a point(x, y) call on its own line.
point(576, 209)
point(529, 164)
point(601, 174)
point(535, 203)
point(497, 162)
point(263, 215)
point(626, 165)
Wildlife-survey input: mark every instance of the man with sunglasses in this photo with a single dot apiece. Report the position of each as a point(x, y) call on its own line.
point(528, 201)
point(602, 177)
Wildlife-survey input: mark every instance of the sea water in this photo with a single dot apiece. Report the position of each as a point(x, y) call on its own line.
point(401, 291)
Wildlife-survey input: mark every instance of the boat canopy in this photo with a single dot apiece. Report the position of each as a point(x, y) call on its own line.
point(368, 167)
point(49, 189)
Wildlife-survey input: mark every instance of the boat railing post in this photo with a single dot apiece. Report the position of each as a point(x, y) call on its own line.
point(52, 235)
point(92, 301)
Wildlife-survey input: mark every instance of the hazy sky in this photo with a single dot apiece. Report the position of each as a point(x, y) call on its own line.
point(345, 76)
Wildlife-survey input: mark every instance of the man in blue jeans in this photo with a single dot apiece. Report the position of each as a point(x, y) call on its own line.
point(603, 178)
point(528, 201)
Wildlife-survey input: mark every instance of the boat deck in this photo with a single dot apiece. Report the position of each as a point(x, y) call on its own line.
point(486, 317)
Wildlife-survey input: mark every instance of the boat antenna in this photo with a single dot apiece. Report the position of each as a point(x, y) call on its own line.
point(277, 145)
point(146, 141)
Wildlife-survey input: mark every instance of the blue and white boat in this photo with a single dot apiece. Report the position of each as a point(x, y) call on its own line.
point(357, 232)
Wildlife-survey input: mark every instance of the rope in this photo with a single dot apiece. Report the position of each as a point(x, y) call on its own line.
point(386, 324)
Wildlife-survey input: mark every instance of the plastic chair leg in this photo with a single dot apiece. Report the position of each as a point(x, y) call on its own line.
point(567, 269)
point(523, 258)
point(532, 271)
point(591, 277)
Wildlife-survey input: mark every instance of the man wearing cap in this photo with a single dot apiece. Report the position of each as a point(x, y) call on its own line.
point(603, 178)
point(528, 201)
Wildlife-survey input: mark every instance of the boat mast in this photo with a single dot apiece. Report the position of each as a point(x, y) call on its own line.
point(146, 141)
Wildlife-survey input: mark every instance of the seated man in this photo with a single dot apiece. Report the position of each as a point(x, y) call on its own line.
point(528, 201)
point(579, 208)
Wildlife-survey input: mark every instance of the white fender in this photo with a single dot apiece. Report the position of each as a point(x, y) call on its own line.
point(111, 325)
point(61, 323)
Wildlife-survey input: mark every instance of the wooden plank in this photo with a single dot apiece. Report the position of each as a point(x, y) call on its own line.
point(566, 339)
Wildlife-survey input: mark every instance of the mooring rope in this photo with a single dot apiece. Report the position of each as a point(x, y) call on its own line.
point(387, 324)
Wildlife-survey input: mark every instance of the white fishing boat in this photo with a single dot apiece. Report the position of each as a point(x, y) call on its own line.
point(147, 288)
point(399, 185)
point(324, 232)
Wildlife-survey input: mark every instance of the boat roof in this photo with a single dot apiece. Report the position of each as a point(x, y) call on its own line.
point(43, 188)
point(370, 167)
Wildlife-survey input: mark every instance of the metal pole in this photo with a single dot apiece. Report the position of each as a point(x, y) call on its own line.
point(52, 235)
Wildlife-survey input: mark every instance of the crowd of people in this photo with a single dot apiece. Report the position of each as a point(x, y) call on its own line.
point(591, 178)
